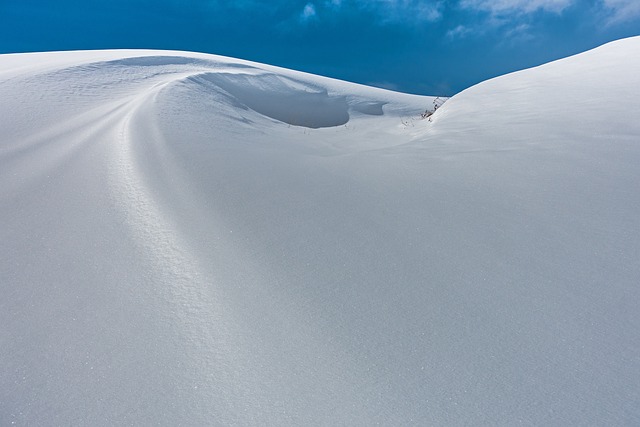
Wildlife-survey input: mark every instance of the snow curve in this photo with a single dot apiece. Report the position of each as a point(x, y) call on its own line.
point(199, 240)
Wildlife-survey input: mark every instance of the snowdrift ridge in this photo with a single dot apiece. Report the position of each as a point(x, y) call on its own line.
point(189, 239)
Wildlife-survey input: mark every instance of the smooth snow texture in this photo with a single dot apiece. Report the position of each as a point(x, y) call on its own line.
point(188, 239)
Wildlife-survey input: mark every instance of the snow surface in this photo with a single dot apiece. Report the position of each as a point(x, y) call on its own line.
point(188, 239)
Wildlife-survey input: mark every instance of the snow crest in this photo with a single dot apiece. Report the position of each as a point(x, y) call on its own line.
point(189, 239)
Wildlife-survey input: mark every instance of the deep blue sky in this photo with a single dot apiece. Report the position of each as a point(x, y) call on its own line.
point(434, 47)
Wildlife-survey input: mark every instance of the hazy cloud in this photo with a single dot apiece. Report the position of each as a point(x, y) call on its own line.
point(617, 10)
point(458, 32)
point(308, 12)
point(519, 34)
point(501, 7)
point(391, 11)
point(512, 18)
point(622, 10)
point(406, 10)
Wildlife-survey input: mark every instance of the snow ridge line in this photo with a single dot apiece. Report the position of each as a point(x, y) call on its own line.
point(175, 274)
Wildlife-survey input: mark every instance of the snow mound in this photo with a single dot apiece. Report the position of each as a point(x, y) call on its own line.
point(189, 239)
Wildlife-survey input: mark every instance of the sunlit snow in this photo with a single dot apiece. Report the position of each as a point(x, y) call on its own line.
point(188, 239)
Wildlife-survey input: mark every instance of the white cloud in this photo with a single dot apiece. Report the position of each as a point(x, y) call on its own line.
point(622, 10)
point(500, 7)
point(519, 34)
point(385, 11)
point(458, 32)
point(308, 12)
point(512, 16)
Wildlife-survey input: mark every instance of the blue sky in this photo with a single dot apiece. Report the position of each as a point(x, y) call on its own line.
point(434, 47)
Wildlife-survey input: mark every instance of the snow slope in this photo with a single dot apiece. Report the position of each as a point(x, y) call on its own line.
point(187, 239)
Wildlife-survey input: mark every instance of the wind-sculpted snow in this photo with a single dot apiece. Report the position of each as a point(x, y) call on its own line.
point(281, 99)
point(189, 239)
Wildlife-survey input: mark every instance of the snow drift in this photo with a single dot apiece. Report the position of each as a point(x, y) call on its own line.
point(189, 239)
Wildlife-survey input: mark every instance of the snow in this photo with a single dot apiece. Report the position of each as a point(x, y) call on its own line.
point(189, 239)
